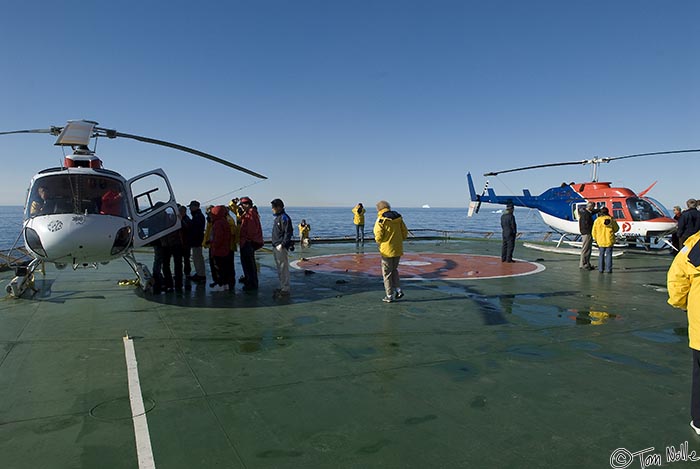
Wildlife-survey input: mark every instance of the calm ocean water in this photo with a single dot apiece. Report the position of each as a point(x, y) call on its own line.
point(335, 222)
point(10, 225)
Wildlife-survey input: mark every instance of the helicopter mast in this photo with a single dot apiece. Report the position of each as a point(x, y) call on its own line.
point(595, 162)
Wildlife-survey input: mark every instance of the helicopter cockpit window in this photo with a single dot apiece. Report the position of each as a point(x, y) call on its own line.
point(641, 210)
point(77, 194)
point(659, 207)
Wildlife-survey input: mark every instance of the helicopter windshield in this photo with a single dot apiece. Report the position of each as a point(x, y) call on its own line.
point(641, 210)
point(76, 193)
point(659, 206)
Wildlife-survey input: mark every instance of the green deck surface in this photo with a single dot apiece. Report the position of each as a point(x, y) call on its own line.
point(480, 373)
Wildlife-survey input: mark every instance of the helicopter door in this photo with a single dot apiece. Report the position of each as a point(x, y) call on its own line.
point(577, 207)
point(153, 207)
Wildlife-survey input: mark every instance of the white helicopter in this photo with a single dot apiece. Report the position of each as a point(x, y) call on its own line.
point(81, 214)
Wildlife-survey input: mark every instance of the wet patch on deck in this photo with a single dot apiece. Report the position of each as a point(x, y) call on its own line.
point(421, 266)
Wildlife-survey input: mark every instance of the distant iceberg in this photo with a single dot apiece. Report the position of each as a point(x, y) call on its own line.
point(426, 206)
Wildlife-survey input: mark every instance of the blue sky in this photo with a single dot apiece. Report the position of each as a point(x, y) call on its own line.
point(339, 102)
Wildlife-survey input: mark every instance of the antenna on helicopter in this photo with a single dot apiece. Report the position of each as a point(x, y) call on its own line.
point(595, 161)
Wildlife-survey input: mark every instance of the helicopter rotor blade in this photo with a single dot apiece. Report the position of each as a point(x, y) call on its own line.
point(495, 173)
point(672, 152)
point(52, 130)
point(113, 133)
point(595, 161)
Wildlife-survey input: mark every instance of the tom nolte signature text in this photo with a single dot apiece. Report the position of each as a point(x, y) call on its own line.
point(622, 458)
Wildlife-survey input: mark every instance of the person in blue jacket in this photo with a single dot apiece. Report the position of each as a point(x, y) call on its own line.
point(282, 243)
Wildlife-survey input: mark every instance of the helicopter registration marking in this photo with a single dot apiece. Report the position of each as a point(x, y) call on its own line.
point(55, 225)
point(138, 411)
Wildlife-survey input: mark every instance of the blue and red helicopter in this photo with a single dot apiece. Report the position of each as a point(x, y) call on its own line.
point(640, 217)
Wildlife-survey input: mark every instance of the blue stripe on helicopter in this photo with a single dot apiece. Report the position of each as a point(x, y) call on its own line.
point(556, 201)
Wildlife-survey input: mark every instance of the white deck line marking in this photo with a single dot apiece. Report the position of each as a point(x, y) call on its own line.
point(138, 412)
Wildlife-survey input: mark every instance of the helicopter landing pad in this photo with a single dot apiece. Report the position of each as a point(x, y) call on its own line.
point(421, 266)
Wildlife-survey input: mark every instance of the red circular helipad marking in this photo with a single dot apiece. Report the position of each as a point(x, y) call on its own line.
point(421, 266)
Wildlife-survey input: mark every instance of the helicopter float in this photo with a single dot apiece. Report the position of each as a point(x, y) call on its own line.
point(640, 217)
point(81, 214)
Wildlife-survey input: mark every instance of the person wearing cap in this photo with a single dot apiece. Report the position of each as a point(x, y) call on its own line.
point(688, 222)
point(196, 240)
point(359, 221)
point(604, 229)
point(250, 240)
point(683, 284)
point(585, 226)
point(390, 232)
point(509, 231)
point(282, 243)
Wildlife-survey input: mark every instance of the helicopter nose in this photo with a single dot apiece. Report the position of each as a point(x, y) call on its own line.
point(73, 239)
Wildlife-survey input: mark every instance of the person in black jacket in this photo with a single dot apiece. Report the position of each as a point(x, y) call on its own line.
point(171, 248)
point(689, 221)
point(675, 241)
point(585, 226)
point(185, 226)
point(196, 237)
point(282, 231)
point(510, 229)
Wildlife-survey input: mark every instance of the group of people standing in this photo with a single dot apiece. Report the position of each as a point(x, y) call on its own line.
point(225, 229)
point(183, 248)
point(602, 231)
point(688, 222)
point(222, 231)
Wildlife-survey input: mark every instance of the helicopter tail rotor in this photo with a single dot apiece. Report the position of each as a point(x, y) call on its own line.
point(475, 200)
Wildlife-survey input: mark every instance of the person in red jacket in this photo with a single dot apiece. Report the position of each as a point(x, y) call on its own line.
point(113, 201)
point(220, 247)
point(251, 239)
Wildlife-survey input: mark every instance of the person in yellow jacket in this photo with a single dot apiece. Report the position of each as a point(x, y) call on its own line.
point(604, 229)
point(683, 284)
point(359, 220)
point(389, 232)
point(304, 230)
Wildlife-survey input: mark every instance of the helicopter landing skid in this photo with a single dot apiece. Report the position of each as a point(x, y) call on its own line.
point(23, 280)
point(145, 279)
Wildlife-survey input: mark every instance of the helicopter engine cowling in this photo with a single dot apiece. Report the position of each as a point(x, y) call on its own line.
point(76, 238)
